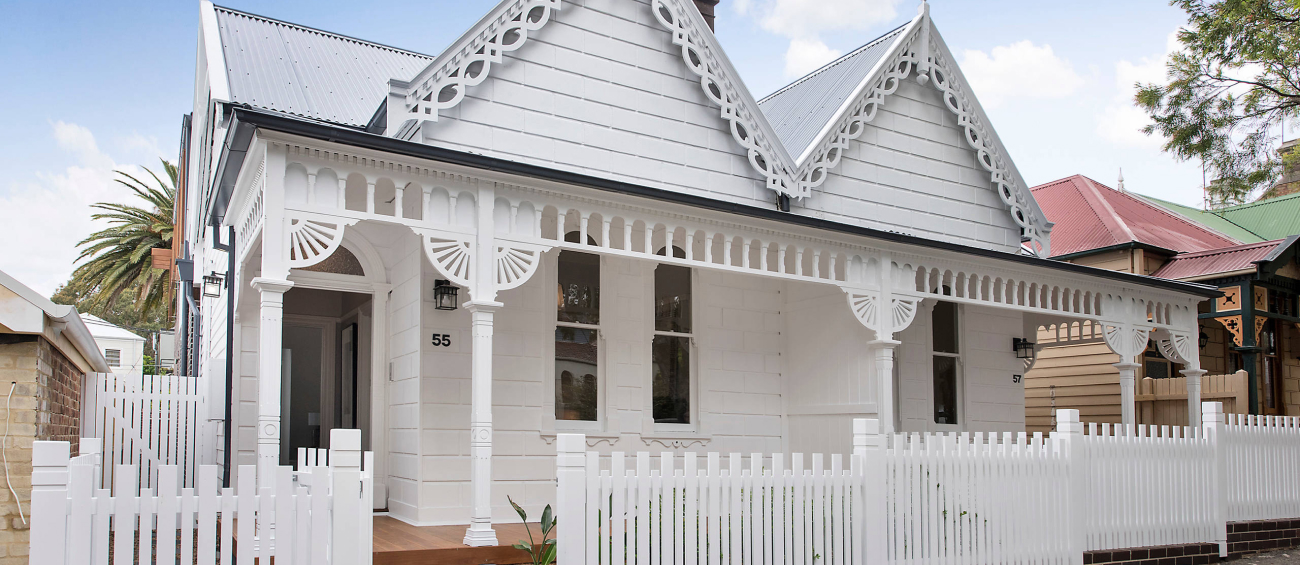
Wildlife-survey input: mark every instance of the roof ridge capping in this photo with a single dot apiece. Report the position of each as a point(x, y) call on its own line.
point(278, 21)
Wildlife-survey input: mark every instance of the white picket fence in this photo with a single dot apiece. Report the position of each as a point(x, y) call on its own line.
point(966, 498)
point(145, 422)
point(1262, 466)
point(314, 515)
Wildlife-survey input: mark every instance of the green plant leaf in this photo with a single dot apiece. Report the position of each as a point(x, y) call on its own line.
point(523, 546)
point(548, 555)
point(546, 520)
point(522, 515)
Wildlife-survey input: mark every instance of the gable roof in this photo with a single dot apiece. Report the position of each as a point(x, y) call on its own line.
point(1217, 261)
point(799, 110)
point(1274, 218)
point(1208, 219)
point(62, 317)
point(1090, 215)
point(101, 328)
point(306, 72)
point(309, 73)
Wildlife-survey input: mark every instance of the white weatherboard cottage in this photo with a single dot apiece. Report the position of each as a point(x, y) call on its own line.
point(643, 251)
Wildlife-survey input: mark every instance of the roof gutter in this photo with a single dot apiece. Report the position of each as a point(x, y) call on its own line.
point(233, 151)
point(71, 326)
point(247, 117)
point(1128, 245)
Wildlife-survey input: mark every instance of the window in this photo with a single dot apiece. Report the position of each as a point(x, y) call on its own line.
point(1272, 384)
point(577, 336)
point(946, 355)
point(114, 357)
point(1154, 365)
point(671, 345)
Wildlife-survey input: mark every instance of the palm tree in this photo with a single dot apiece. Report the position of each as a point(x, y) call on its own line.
point(119, 259)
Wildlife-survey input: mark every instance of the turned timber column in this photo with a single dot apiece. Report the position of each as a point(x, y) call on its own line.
point(480, 532)
point(1127, 394)
point(270, 359)
point(882, 358)
point(482, 308)
point(1193, 395)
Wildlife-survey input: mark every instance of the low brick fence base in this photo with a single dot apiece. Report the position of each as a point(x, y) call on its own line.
point(1189, 554)
point(1244, 538)
point(1262, 535)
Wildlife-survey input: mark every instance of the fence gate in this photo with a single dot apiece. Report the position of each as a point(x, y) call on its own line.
point(144, 421)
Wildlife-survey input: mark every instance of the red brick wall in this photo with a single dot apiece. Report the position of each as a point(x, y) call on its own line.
point(58, 398)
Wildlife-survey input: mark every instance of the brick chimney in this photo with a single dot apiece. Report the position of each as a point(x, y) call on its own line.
point(706, 10)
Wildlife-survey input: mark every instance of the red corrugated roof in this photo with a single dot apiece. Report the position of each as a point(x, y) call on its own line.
point(1089, 215)
point(1215, 261)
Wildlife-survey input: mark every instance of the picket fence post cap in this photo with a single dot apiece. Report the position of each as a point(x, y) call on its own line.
point(90, 446)
point(50, 453)
point(870, 426)
point(342, 439)
point(570, 443)
point(1067, 415)
point(1211, 407)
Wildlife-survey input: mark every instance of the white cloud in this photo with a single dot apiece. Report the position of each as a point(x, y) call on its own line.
point(1121, 121)
point(41, 221)
point(1020, 70)
point(804, 21)
point(805, 56)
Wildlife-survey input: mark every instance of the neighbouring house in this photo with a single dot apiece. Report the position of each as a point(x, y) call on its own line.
point(579, 218)
point(123, 349)
point(1109, 228)
point(45, 352)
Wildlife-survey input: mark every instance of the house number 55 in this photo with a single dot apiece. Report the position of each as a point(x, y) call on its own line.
point(443, 340)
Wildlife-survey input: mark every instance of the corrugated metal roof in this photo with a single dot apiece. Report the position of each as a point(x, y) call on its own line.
point(306, 72)
point(1207, 219)
point(1089, 215)
point(800, 110)
point(1215, 261)
point(1274, 218)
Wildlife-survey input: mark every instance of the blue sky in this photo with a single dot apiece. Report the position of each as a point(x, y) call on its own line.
point(94, 86)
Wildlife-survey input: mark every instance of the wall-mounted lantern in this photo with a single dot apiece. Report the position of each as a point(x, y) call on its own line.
point(1024, 348)
point(212, 284)
point(1204, 340)
point(444, 295)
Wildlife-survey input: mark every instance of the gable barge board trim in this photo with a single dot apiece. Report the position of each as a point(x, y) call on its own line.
point(247, 117)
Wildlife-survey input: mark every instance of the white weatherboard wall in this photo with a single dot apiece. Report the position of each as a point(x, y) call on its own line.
point(602, 90)
point(830, 377)
point(738, 364)
point(913, 171)
point(990, 401)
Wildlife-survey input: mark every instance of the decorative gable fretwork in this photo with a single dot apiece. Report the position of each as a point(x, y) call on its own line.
point(915, 49)
point(444, 83)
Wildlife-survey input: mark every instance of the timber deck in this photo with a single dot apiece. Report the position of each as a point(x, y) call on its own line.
point(399, 543)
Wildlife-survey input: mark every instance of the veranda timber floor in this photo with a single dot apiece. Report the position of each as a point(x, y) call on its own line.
point(399, 543)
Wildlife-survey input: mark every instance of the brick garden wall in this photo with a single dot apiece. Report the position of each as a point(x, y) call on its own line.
point(45, 405)
point(1244, 538)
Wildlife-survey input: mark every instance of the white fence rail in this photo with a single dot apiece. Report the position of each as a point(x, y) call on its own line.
point(311, 516)
point(931, 498)
point(145, 422)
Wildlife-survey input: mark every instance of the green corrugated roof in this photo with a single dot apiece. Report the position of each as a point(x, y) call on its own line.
point(1274, 218)
point(1211, 220)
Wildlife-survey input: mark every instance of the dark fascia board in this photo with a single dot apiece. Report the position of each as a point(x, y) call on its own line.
point(1117, 247)
point(1279, 256)
point(244, 115)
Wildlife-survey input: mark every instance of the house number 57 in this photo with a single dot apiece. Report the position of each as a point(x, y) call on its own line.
point(443, 340)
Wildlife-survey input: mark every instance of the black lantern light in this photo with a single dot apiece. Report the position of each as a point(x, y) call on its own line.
point(1204, 340)
point(1024, 348)
point(212, 284)
point(444, 295)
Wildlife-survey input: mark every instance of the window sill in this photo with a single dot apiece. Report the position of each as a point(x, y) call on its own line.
point(677, 440)
point(593, 439)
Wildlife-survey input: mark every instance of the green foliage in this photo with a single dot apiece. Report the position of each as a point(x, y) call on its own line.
point(543, 554)
point(117, 281)
point(1235, 79)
